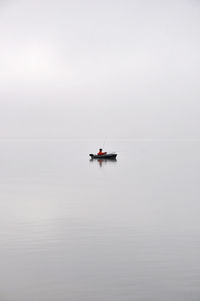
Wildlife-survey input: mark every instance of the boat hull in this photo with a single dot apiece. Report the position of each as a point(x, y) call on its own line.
point(106, 156)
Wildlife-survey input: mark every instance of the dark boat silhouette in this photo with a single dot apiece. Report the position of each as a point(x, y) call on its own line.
point(106, 156)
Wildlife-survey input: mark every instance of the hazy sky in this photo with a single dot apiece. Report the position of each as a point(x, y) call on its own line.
point(100, 68)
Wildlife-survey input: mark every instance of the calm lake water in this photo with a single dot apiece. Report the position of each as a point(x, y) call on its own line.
point(80, 230)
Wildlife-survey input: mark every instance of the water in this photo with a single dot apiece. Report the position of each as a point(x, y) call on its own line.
point(75, 229)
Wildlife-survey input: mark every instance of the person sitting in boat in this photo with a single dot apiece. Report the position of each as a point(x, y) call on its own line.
point(100, 153)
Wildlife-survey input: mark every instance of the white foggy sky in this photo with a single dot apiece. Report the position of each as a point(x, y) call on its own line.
point(125, 69)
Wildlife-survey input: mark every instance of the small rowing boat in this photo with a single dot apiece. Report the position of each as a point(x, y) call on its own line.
point(106, 156)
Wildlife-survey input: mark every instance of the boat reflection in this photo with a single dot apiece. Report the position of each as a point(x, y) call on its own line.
point(103, 162)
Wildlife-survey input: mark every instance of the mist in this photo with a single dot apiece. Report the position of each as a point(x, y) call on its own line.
point(86, 69)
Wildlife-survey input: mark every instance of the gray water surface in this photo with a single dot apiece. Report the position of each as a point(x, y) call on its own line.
point(74, 229)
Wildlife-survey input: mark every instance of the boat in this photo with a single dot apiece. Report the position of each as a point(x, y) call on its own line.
point(106, 156)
